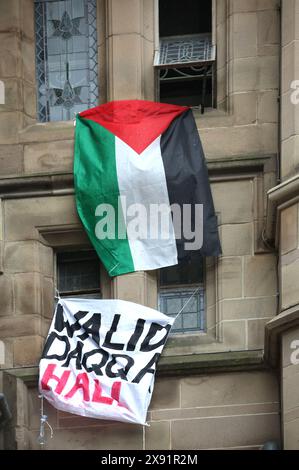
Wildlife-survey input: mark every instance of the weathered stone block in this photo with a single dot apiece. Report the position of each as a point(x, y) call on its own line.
point(289, 32)
point(166, 394)
point(9, 15)
point(212, 433)
point(10, 123)
point(48, 157)
point(29, 100)
point(290, 435)
point(6, 295)
point(148, 30)
point(48, 297)
point(13, 326)
point(234, 335)
point(245, 74)
point(289, 288)
point(27, 293)
point(236, 239)
point(157, 436)
point(242, 6)
point(229, 389)
point(268, 67)
point(256, 333)
point(237, 206)
point(46, 260)
point(27, 18)
point(289, 229)
point(27, 350)
point(289, 158)
point(21, 257)
point(230, 278)
point(124, 16)
point(124, 71)
point(10, 65)
point(260, 277)
point(116, 436)
point(28, 60)
point(22, 216)
point(244, 107)
point(260, 307)
point(11, 159)
point(268, 27)
point(244, 34)
point(267, 106)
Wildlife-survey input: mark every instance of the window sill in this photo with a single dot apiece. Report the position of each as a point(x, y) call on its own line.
point(212, 118)
point(211, 362)
point(64, 130)
point(190, 364)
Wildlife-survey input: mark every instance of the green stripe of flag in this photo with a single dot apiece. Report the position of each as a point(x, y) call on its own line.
point(96, 183)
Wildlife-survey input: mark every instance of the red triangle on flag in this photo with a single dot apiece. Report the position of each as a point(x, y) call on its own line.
point(136, 122)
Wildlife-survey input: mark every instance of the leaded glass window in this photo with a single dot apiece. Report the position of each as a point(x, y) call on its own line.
point(182, 290)
point(66, 58)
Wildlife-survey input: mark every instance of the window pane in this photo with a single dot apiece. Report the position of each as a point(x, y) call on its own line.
point(183, 274)
point(78, 272)
point(184, 17)
point(192, 317)
point(66, 58)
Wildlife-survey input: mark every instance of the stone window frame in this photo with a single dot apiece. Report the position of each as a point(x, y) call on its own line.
point(73, 239)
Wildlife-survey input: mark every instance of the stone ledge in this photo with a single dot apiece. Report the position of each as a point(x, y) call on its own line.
point(210, 363)
point(192, 364)
point(47, 184)
point(36, 185)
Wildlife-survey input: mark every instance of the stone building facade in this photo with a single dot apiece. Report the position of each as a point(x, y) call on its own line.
point(234, 385)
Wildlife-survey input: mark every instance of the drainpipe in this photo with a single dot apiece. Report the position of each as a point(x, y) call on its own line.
point(279, 147)
point(5, 415)
point(268, 234)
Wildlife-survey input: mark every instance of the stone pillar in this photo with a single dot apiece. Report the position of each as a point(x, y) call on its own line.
point(17, 73)
point(130, 49)
point(290, 74)
point(131, 76)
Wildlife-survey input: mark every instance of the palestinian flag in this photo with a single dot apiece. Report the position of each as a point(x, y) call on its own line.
point(132, 156)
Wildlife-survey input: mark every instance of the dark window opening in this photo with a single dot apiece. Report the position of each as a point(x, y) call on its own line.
point(78, 273)
point(185, 61)
point(177, 17)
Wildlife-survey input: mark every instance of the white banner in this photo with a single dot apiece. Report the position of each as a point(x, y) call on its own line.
point(100, 358)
